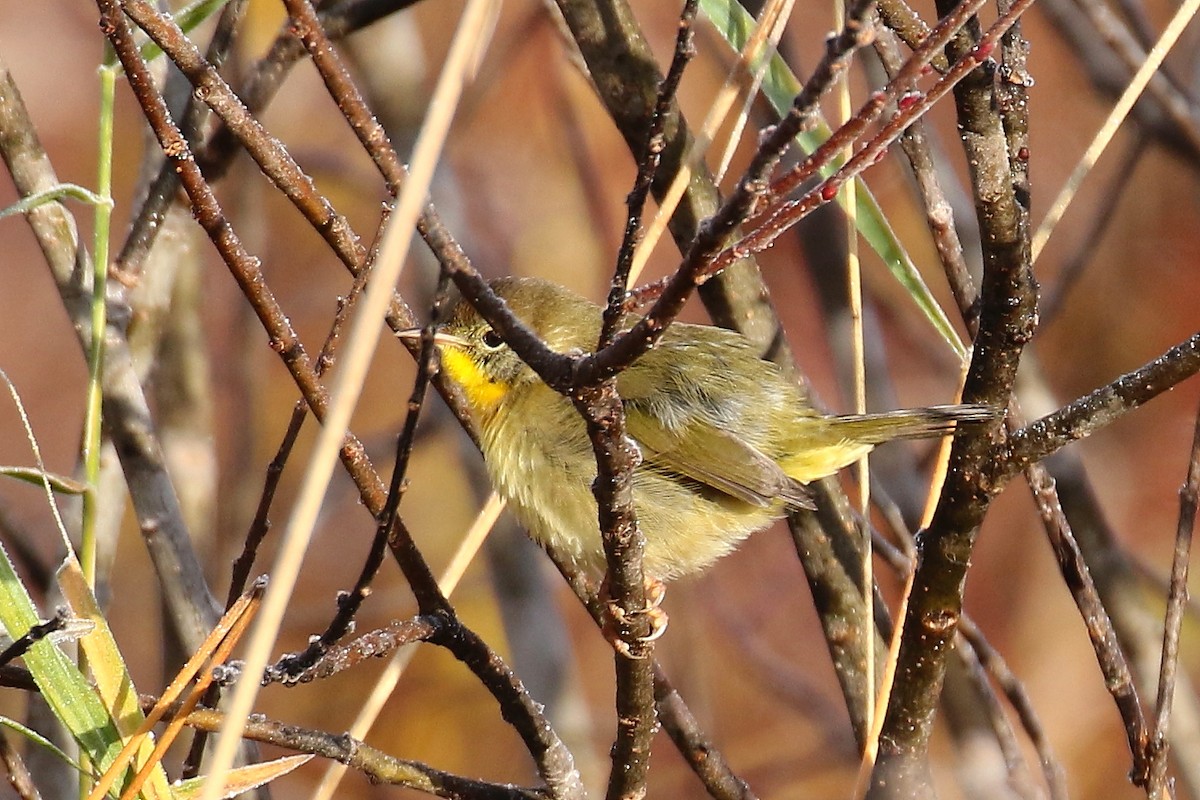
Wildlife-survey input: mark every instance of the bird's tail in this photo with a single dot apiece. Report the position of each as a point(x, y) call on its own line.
point(912, 423)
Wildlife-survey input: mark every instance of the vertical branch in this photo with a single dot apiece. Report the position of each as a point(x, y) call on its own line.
point(430, 598)
point(648, 160)
point(616, 458)
point(126, 409)
point(622, 66)
point(1008, 315)
point(1177, 598)
point(148, 219)
point(1118, 678)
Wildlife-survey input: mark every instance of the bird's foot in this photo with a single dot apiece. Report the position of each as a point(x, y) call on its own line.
point(617, 618)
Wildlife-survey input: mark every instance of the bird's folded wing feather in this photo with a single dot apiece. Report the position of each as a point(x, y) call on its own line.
point(707, 454)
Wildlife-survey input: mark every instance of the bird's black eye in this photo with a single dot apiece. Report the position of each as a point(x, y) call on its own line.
point(492, 340)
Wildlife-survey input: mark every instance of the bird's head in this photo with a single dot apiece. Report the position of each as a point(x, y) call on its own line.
point(477, 359)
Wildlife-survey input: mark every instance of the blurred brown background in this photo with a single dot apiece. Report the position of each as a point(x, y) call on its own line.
point(533, 182)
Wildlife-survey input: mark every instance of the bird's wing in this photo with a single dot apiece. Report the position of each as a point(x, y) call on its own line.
point(705, 453)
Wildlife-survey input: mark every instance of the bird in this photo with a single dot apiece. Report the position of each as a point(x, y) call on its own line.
point(728, 442)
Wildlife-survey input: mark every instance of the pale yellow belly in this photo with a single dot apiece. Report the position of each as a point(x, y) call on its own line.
point(686, 526)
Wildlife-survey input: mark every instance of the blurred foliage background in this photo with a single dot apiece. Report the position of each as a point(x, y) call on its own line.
point(532, 183)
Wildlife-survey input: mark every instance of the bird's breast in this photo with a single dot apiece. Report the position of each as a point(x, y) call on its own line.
point(540, 460)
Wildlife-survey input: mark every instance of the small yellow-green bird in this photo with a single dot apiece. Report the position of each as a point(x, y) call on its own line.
point(727, 440)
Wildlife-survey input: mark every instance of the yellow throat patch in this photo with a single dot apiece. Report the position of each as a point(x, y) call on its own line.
point(483, 394)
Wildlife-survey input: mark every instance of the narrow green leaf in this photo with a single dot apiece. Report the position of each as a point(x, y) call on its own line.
point(59, 483)
point(41, 741)
point(54, 193)
point(110, 676)
point(63, 687)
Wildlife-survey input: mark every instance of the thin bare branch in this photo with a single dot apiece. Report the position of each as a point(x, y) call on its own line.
point(1081, 417)
point(1008, 314)
point(370, 761)
point(1189, 496)
point(1118, 678)
point(193, 610)
point(1021, 702)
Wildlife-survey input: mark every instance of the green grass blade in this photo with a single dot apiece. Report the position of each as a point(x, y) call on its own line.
point(63, 687)
point(41, 741)
point(58, 483)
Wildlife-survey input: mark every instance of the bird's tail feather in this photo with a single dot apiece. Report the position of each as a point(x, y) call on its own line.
point(913, 423)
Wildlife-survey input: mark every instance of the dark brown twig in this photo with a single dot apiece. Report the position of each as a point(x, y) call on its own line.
point(246, 271)
point(267, 151)
point(35, 634)
point(700, 752)
point(616, 459)
point(18, 774)
point(337, 20)
point(348, 602)
point(1019, 699)
point(1008, 315)
point(939, 212)
point(429, 597)
point(312, 35)
point(244, 267)
point(1118, 678)
point(306, 25)
point(1189, 496)
point(261, 522)
point(335, 659)
point(1138, 627)
point(1096, 409)
point(648, 162)
point(555, 763)
point(148, 219)
point(363, 758)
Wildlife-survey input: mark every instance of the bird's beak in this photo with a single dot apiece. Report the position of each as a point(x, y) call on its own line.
point(439, 338)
